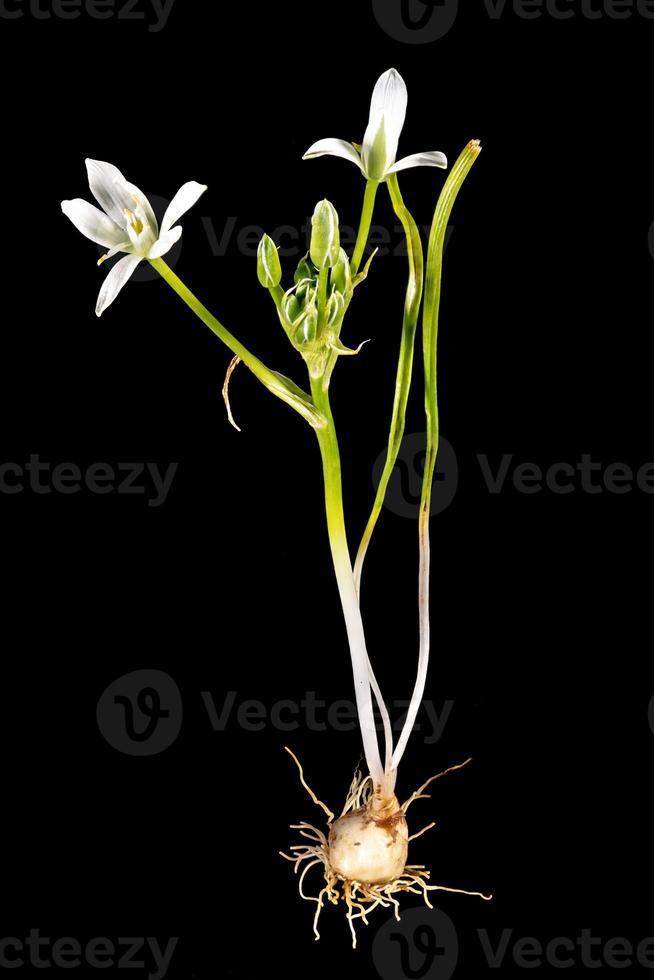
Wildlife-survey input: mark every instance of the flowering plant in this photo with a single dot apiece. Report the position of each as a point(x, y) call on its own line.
point(364, 853)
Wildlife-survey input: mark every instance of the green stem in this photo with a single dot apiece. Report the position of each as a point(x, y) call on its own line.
point(323, 283)
point(329, 452)
point(364, 225)
point(404, 367)
point(276, 383)
point(431, 310)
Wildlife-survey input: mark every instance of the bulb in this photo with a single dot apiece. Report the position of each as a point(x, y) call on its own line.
point(370, 844)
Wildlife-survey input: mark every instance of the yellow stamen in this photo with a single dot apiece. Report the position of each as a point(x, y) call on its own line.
point(137, 225)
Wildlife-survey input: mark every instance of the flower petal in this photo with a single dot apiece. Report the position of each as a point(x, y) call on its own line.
point(110, 189)
point(115, 281)
point(387, 114)
point(93, 223)
point(334, 148)
point(431, 158)
point(165, 242)
point(117, 195)
point(183, 200)
point(141, 207)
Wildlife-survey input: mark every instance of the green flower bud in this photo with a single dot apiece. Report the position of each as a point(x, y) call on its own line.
point(325, 237)
point(307, 330)
point(291, 308)
point(305, 270)
point(335, 309)
point(341, 277)
point(269, 268)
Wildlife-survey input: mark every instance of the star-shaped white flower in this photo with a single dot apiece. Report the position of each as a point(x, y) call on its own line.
point(126, 223)
point(379, 149)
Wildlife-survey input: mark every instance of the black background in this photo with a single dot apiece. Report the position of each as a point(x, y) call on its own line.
point(540, 601)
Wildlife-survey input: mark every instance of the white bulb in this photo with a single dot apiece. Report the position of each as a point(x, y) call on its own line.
point(367, 850)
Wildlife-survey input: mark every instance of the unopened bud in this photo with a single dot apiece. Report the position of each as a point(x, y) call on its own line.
point(341, 277)
point(325, 237)
point(306, 332)
point(305, 270)
point(269, 267)
point(335, 309)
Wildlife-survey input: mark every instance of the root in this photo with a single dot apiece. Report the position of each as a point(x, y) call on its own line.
point(360, 898)
point(330, 815)
point(235, 361)
point(420, 793)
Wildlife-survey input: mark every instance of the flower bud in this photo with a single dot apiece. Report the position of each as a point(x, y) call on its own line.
point(291, 308)
point(306, 332)
point(305, 270)
point(325, 237)
point(269, 268)
point(341, 277)
point(335, 309)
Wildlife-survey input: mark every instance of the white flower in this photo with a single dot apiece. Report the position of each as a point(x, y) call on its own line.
point(126, 223)
point(379, 150)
